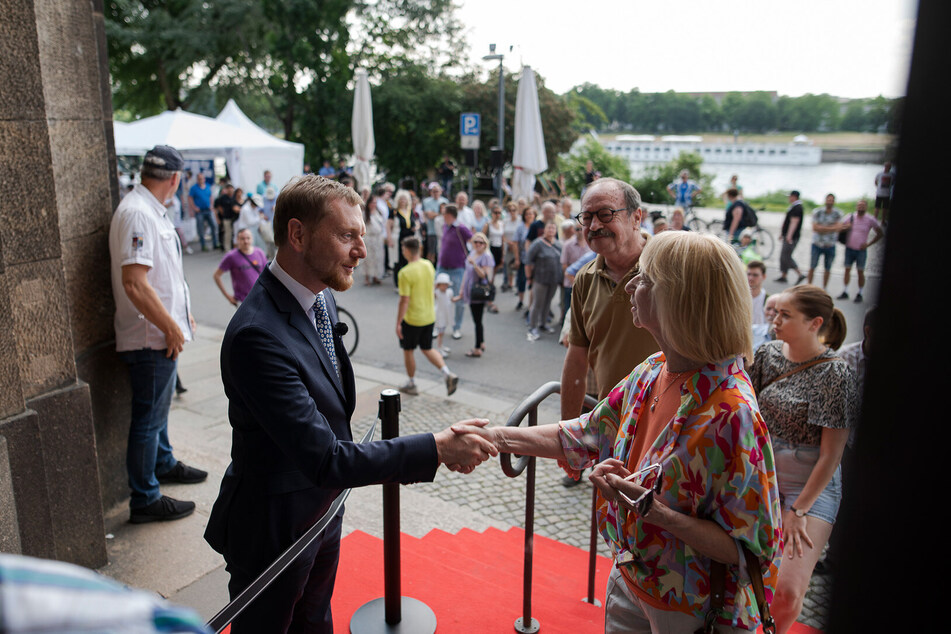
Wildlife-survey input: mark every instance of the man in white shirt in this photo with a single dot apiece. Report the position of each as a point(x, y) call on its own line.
point(466, 215)
point(153, 322)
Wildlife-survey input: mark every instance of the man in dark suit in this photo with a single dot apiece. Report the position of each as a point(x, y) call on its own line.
point(291, 393)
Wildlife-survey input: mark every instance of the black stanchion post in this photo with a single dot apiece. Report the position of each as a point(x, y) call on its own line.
point(593, 548)
point(393, 613)
point(390, 426)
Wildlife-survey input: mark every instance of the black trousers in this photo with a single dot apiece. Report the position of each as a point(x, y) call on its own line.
point(298, 601)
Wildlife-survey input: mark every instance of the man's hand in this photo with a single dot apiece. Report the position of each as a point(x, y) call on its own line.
point(464, 445)
point(174, 340)
point(399, 330)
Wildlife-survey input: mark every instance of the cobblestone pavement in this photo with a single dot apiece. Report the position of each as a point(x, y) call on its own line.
point(560, 513)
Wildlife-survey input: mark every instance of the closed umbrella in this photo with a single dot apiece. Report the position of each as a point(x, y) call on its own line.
point(362, 130)
point(529, 157)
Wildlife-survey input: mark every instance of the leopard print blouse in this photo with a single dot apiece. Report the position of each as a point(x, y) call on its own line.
point(798, 407)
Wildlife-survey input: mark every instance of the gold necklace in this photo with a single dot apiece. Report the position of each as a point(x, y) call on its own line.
point(672, 383)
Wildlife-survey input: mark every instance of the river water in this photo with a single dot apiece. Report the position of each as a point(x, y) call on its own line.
point(848, 181)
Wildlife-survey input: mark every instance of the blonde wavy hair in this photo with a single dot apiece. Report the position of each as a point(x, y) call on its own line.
point(702, 295)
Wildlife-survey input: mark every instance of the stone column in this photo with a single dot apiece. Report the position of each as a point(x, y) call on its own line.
point(60, 381)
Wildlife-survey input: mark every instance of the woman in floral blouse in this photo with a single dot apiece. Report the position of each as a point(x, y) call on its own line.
point(688, 420)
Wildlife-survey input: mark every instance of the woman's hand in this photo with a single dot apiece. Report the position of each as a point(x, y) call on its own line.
point(599, 475)
point(794, 533)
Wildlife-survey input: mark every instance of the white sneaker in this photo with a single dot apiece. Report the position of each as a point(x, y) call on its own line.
point(445, 352)
point(532, 335)
point(409, 388)
point(456, 334)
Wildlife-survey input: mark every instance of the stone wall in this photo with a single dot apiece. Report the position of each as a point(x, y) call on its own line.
point(61, 384)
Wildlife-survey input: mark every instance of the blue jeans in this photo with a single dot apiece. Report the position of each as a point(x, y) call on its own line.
point(153, 378)
point(828, 253)
point(205, 218)
point(455, 276)
point(794, 464)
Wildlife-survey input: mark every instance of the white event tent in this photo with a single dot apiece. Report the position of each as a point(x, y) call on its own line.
point(248, 150)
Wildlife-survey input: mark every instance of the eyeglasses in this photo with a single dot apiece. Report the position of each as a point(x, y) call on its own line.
point(605, 216)
point(644, 502)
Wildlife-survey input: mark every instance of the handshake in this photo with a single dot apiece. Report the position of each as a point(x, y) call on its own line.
point(466, 444)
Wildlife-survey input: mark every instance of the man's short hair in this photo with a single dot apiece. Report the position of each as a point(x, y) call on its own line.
point(308, 199)
point(702, 295)
point(451, 210)
point(632, 199)
point(733, 192)
point(411, 244)
point(756, 264)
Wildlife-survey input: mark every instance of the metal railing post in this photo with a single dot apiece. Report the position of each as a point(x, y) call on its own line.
point(593, 548)
point(392, 613)
point(525, 623)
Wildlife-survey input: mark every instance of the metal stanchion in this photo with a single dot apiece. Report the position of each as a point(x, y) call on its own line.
point(593, 548)
point(393, 613)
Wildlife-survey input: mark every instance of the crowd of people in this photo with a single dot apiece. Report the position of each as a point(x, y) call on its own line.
point(723, 412)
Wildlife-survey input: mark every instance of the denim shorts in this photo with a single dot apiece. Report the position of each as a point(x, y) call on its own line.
point(794, 464)
point(858, 256)
point(828, 254)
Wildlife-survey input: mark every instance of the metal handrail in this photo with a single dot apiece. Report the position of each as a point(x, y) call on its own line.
point(529, 407)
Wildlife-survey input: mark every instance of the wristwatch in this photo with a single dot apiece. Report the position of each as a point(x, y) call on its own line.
point(798, 512)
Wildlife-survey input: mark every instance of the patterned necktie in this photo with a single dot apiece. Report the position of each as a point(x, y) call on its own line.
point(324, 331)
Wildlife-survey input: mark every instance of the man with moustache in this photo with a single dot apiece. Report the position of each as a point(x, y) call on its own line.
point(602, 334)
point(291, 394)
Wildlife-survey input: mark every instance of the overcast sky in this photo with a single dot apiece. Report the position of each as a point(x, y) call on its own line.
point(847, 48)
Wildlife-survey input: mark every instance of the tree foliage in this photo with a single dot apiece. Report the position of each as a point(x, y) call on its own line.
point(573, 165)
point(294, 59)
point(752, 112)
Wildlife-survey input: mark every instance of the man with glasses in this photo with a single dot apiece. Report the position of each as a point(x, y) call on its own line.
point(602, 334)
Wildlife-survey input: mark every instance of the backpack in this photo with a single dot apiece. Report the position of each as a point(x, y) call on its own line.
point(749, 218)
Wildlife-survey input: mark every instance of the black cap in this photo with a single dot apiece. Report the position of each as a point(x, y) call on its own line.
point(794, 193)
point(164, 157)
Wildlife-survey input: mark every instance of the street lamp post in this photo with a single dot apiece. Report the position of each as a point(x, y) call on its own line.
point(501, 139)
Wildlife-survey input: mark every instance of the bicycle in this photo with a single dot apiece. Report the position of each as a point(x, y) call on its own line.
point(763, 241)
point(346, 328)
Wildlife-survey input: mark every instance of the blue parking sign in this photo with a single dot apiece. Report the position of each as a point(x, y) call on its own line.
point(470, 125)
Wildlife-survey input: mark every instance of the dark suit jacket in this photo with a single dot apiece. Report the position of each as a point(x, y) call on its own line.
point(292, 449)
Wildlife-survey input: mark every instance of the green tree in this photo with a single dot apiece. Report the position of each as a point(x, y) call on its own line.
point(415, 120)
point(296, 55)
point(854, 119)
point(573, 165)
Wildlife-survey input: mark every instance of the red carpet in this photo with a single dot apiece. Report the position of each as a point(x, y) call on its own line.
point(473, 581)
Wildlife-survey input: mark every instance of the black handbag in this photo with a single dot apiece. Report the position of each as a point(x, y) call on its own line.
point(482, 291)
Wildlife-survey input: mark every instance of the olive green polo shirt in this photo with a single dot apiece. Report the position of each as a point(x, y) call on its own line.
point(601, 321)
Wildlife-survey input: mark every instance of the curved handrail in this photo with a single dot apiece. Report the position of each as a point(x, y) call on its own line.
point(525, 408)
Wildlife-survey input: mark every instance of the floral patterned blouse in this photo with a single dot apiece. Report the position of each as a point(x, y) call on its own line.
point(717, 464)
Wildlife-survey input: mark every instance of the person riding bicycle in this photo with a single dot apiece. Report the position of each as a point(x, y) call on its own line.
point(684, 190)
point(739, 215)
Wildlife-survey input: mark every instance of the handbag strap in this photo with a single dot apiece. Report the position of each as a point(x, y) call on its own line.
point(718, 586)
point(253, 265)
point(804, 366)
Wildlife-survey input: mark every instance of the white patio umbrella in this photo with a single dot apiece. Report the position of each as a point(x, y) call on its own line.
point(361, 126)
point(529, 156)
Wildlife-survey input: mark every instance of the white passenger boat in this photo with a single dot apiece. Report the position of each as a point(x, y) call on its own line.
point(649, 149)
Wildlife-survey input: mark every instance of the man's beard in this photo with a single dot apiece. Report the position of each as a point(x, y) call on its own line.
point(339, 281)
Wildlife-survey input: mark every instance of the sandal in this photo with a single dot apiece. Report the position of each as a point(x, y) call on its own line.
point(475, 352)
